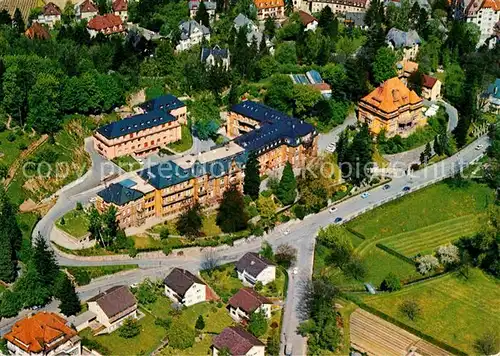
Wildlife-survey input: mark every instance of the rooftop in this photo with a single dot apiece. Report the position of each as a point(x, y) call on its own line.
point(180, 280)
point(267, 4)
point(248, 300)
point(87, 6)
point(400, 38)
point(236, 340)
point(210, 5)
point(391, 95)
point(306, 18)
point(494, 89)
point(120, 5)
point(428, 81)
point(34, 334)
point(253, 264)
point(114, 300)
point(187, 28)
point(216, 51)
point(356, 3)
point(119, 194)
point(103, 22)
point(51, 9)
point(166, 102)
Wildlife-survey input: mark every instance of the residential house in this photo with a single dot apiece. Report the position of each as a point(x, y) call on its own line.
point(491, 97)
point(485, 14)
point(120, 8)
point(43, 333)
point(407, 42)
point(314, 80)
point(253, 268)
point(269, 8)
point(355, 19)
point(192, 33)
point(215, 55)
point(51, 13)
point(273, 136)
point(211, 6)
point(406, 69)
point(86, 10)
point(246, 302)
point(338, 6)
point(183, 287)
point(112, 307)
point(431, 88)
point(392, 107)
point(238, 342)
point(253, 31)
point(108, 24)
point(37, 31)
point(157, 125)
point(309, 21)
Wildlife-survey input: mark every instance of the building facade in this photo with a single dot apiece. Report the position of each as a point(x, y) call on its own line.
point(485, 14)
point(406, 42)
point(192, 33)
point(246, 302)
point(51, 13)
point(85, 10)
point(269, 8)
point(211, 6)
point(253, 268)
point(216, 56)
point(338, 6)
point(183, 287)
point(392, 107)
point(273, 136)
point(120, 8)
point(431, 88)
point(158, 125)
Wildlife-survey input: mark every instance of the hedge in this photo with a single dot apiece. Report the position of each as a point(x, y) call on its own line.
point(395, 254)
point(354, 232)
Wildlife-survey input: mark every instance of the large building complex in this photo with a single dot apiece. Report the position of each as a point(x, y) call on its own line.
point(392, 107)
point(269, 8)
point(158, 125)
point(338, 6)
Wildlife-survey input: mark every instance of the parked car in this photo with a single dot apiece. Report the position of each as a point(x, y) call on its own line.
point(385, 187)
point(479, 147)
point(365, 195)
point(332, 209)
point(406, 189)
point(337, 220)
point(295, 270)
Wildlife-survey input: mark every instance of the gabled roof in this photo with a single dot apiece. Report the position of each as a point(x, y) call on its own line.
point(37, 31)
point(166, 103)
point(33, 333)
point(120, 5)
point(216, 51)
point(180, 280)
point(119, 195)
point(428, 81)
point(268, 4)
point(390, 96)
point(51, 9)
point(135, 123)
point(400, 38)
point(241, 20)
point(236, 340)
point(306, 18)
point(248, 300)
point(188, 27)
point(491, 4)
point(114, 300)
point(253, 264)
point(100, 23)
point(87, 6)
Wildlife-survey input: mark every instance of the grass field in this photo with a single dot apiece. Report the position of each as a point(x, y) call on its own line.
point(453, 309)
point(83, 275)
point(76, 223)
point(11, 149)
point(127, 163)
point(185, 143)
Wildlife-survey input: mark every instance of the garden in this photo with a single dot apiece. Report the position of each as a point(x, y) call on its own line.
point(127, 163)
point(75, 223)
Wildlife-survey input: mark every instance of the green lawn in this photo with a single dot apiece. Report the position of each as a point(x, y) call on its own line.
point(76, 223)
point(209, 227)
point(83, 275)
point(453, 309)
point(223, 281)
point(127, 163)
point(11, 149)
point(185, 143)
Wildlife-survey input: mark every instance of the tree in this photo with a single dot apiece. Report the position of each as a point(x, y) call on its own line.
point(305, 98)
point(359, 157)
point(488, 343)
point(448, 254)
point(251, 183)
point(384, 66)
point(232, 215)
point(18, 22)
point(286, 53)
point(64, 290)
point(257, 324)
point(337, 240)
point(9, 304)
point(426, 154)
point(31, 289)
point(200, 323)
point(273, 344)
point(269, 27)
point(285, 255)
point(328, 23)
point(410, 309)
point(356, 268)
point(190, 221)
point(391, 283)
point(427, 264)
point(146, 293)
point(7, 263)
point(45, 262)
point(202, 15)
point(109, 226)
point(5, 18)
point(266, 251)
point(279, 93)
point(129, 329)
point(287, 189)
point(233, 97)
point(342, 146)
point(454, 84)
point(210, 260)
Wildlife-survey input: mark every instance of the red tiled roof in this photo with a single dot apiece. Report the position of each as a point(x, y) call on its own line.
point(491, 4)
point(428, 81)
point(88, 6)
point(120, 5)
point(268, 4)
point(390, 96)
point(236, 340)
point(100, 23)
point(248, 300)
point(321, 86)
point(51, 9)
point(37, 31)
point(306, 18)
point(33, 334)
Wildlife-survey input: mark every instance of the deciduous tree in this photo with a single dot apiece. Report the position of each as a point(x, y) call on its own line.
point(384, 66)
point(190, 221)
point(232, 215)
point(257, 324)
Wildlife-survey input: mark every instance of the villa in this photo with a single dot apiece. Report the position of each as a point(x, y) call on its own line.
point(407, 42)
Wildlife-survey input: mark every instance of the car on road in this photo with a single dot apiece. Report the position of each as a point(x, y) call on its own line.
point(332, 209)
point(365, 195)
point(288, 350)
point(479, 147)
point(406, 189)
point(337, 220)
point(385, 187)
point(295, 270)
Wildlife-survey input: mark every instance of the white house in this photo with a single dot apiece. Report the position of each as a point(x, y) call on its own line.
point(407, 42)
point(85, 10)
point(309, 21)
point(51, 14)
point(253, 268)
point(120, 8)
point(112, 307)
point(215, 55)
point(43, 334)
point(485, 15)
point(238, 342)
point(183, 287)
point(246, 302)
point(192, 33)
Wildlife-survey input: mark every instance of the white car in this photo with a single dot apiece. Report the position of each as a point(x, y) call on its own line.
point(332, 209)
point(331, 147)
point(479, 147)
point(295, 270)
point(365, 195)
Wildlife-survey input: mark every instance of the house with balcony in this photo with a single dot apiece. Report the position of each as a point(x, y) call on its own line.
point(192, 33)
point(183, 287)
point(392, 107)
point(238, 342)
point(246, 302)
point(112, 307)
point(269, 8)
point(43, 333)
point(253, 268)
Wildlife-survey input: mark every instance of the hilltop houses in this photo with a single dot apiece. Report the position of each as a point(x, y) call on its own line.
point(192, 33)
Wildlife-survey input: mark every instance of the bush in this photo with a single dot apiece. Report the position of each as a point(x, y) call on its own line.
point(488, 344)
point(62, 222)
point(410, 309)
point(266, 193)
point(11, 137)
point(164, 234)
point(181, 337)
point(132, 252)
point(219, 305)
point(3, 126)
point(129, 329)
point(200, 323)
point(167, 250)
point(22, 146)
point(164, 323)
point(79, 206)
point(146, 293)
point(391, 283)
point(257, 324)
point(258, 286)
point(82, 276)
point(299, 211)
point(94, 345)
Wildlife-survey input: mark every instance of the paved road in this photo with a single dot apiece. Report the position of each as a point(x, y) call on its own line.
point(333, 136)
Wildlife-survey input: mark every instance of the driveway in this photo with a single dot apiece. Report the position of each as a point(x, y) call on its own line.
point(333, 136)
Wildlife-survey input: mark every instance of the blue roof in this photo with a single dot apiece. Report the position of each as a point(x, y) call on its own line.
point(128, 183)
point(135, 123)
point(315, 76)
point(165, 102)
point(494, 89)
point(119, 195)
point(276, 127)
point(216, 51)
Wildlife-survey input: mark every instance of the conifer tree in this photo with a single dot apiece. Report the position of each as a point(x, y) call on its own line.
point(232, 216)
point(202, 16)
point(287, 189)
point(45, 262)
point(65, 292)
point(251, 184)
point(7, 266)
point(18, 21)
